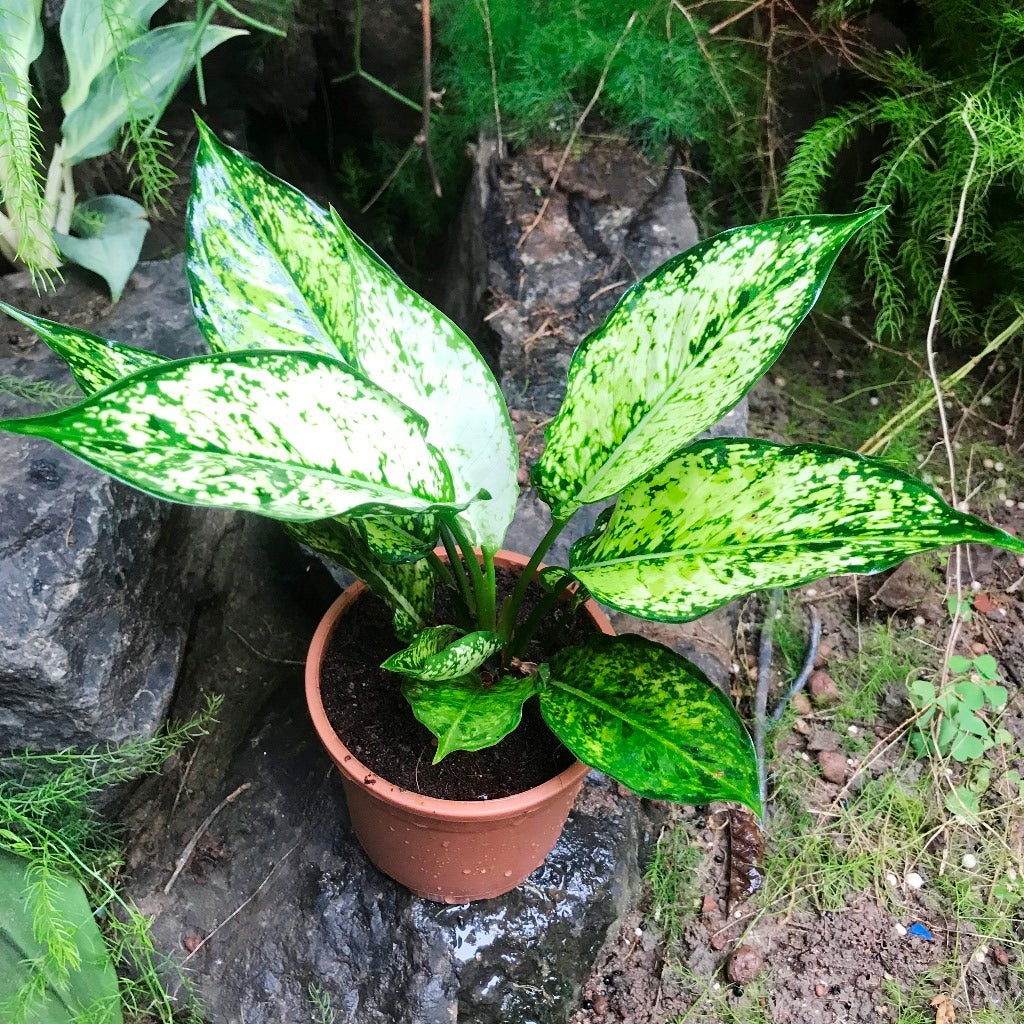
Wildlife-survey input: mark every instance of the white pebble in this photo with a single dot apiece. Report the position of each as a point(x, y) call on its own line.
point(738, 913)
point(1010, 503)
point(734, 668)
point(717, 987)
point(914, 880)
point(852, 730)
point(927, 478)
point(873, 400)
point(975, 584)
point(900, 930)
point(1020, 561)
point(840, 374)
point(780, 382)
point(969, 861)
point(806, 756)
point(1001, 483)
point(892, 880)
point(988, 463)
point(999, 467)
point(638, 932)
point(981, 953)
point(986, 399)
point(918, 620)
point(1011, 874)
point(816, 364)
point(964, 506)
point(811, 592)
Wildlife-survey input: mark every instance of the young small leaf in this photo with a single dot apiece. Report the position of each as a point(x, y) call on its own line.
point(438, 654)
point(290, 435)
point(682, 347)
point(466, 715)
point(111, 243)
point(730, 516)
point(651, 720)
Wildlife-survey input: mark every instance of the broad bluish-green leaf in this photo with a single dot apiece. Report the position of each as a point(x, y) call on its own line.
point(111, 230)
point(651, 720)
point(91, 34)
point(466, 714)
point(682, 347)
point(95, 362)
point(269, 268)
point(407, 589)
point(88, 990)
point(291, 435)
point(137, 86)
point(439, 654)
point(733, 515)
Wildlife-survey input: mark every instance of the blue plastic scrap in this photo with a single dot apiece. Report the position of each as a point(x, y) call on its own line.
point(921, 932)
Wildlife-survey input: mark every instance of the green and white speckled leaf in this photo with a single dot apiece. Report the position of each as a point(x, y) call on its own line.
point(438, 654)
point(465, 714)
point(269, 268)
point(291, 435)
point(407, 589)
point(94, 362)
point(651, 720)
point(733, 515)
point(681, 348)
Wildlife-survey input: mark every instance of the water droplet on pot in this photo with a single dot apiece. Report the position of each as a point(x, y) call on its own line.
point(467, 871)
point(508, 874)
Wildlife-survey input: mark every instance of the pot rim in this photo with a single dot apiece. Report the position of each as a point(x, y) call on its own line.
point(359, 774)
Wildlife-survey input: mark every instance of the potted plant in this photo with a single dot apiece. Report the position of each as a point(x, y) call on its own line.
point(340, 402)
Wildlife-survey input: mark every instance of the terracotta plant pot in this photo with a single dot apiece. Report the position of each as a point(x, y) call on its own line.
point(452, 851)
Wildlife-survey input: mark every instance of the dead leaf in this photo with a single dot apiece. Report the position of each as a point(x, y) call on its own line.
point(943, 1010)
point(745, 852)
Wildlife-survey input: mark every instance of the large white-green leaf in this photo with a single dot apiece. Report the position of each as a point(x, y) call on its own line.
point(467, 714)
point(291, 435)
point(438, 654)
point(95, 362)
point(651, 720)
point(138, 86)
point(269, 268)
point(733, 515)
point(92, 32)
point(681, 348)
point(111, 230)
point(87, 991)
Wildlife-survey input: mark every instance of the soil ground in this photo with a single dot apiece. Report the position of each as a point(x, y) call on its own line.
point(884, 899)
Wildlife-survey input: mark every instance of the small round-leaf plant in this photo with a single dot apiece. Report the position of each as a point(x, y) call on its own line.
point(337, 400)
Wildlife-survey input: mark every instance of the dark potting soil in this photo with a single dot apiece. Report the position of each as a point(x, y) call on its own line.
point(365, 706)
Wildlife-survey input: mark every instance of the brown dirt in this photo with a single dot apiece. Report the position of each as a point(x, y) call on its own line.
point(365, 706)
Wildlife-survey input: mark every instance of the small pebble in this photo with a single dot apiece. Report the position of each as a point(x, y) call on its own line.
point(999, 467)
point(1000, 956)
point(852, 730)
point(833, 766)
point(988, 463)
point(919, 620)
point(969, 861)
point(892, 880)
point(819, 990)
point(811, 592)
point(986, 399)
point(1010, 503)
point(822, 688)
point(981, 953)
point(744, 965)
point(900, 930)
point(780, 382)
point(978, 647)
point(873, 400)
point(710, 904)
point(914, 880)
point(523, 476)
point(801, 704)
point(839, 374)
point(191, 943)
point(717, 987)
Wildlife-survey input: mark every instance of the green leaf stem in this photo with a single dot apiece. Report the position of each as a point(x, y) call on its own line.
point(734, 515)
point(650, 719)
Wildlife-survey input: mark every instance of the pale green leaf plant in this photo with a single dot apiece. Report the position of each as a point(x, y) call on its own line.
point(338, 401)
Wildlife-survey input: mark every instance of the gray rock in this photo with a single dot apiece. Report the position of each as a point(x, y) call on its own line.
point(287, 898)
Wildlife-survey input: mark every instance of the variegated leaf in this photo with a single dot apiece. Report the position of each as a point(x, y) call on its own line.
point(438, 654)
point(94, 362)
point(651, 720)
point(682, 347)
point(465, 714)
point(290, 435)
point(407, 589)
point(733, 515)
point(269, 268)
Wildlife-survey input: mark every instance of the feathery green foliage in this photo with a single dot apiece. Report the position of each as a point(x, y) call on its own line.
point(957, 98)
point(47, 815)
point(528, 69)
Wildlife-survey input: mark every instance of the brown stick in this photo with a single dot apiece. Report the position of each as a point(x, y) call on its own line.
point(428, 101)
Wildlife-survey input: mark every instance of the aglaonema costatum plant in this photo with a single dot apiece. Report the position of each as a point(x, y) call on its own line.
point(337, 400)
